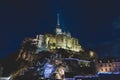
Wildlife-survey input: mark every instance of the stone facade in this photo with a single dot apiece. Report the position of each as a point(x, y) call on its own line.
point(60, 39)
point(48, 42)
point(108, 66)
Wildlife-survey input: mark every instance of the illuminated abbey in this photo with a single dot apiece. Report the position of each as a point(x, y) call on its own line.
point(60, 39)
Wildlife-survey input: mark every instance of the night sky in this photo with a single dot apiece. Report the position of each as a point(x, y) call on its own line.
point(95, 23)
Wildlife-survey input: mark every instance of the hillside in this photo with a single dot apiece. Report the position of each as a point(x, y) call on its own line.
point(26, 57)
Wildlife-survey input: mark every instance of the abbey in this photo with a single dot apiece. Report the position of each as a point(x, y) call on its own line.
point(58, 40)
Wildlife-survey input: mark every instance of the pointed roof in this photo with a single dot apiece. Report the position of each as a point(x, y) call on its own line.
point(58, 19)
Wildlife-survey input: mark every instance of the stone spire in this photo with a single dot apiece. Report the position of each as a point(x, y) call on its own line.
point(58, 30)
point(58, 19)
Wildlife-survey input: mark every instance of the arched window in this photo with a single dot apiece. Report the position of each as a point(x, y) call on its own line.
point(109, 65)
point(110, 69)
point(106, 69)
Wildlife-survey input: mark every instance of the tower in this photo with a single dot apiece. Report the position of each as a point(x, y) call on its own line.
point(58, 30)
point(68, 34)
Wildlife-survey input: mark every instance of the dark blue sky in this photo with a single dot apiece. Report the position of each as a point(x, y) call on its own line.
point(94, 23)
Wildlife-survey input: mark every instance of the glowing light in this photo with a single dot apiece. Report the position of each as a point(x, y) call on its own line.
point(48, 69)
point(100, 61)
point(5, 78)
point(91, 54)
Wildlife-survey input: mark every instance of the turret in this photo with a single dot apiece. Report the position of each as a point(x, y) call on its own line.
point(68, 34)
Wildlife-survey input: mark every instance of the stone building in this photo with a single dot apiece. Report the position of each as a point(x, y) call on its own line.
point(58, 40)
point(108, 66)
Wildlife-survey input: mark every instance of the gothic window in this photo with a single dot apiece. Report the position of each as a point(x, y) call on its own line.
point(53, 44)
